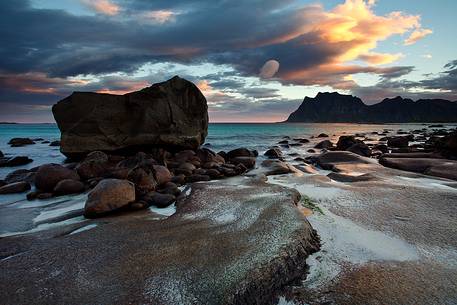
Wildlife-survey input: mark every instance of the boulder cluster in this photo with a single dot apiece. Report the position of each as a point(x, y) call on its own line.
point(128, 182)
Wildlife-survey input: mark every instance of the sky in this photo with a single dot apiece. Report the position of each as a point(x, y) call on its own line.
point(254, 60)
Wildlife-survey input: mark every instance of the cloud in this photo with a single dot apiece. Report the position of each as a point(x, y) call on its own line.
point(379, 58)
point(102, 6)
point(269, 69)
point(160, 16)
point(417, 35)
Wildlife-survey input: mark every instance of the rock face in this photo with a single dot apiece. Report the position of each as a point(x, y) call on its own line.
point(49, 175)
point(335, 107)
point(172, 114)
point(109, 195)
point(212, 251)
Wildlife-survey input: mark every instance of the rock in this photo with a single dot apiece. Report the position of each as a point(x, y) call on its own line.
point(109, 195)
point(54, 143)
point(172, 114)
point(143, 179)
point(32, 195)
point(326, 144)
point(170, 188)
point(161, 174)
point(20, 175)
point(361, 149)
point(240, 152)
point(398, 142)
point(197, 177)
point(69, 186)
point(16, 187)
point(18, 142)
point(381, 147)
point(276, 167)
point(448, 145)
point(214, 173)
point(273, 153)
point(1, 154)
point(435, 167)
point(307, 168)
point(184, 155)
point(301, 140)
point(179, 179)
point(283, 142)
point(94, 165)
point(220, 251)
point(159, 200)
point(329, 159)
point(350, 178)
point(312, 151)
point(323, 135)
point(138, 205)
point(15, 161)
point(344, 142)
point(49, 175)
point(43, 196)
point(248, 162)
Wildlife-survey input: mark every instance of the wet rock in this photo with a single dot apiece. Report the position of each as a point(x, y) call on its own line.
point(273, 153)
point(173, 113)
point(198, 177)
point(240, 152)
point(448, 145)
point(381, 147)
point(109, 195)
point(398, 142)
point(361, 149)
point(32, 195)
point(54, 143)
point(344, 142)
point(138, 205)
point(276, 167)
point(307, 168)
point(49, 175)
point(323, 135)
point(16, 187)
point(326, 144)
point(20, 175)
point(301, 140)
point(283, 142)
point(43, 196)
point(435, 167)
point(214, 173)
point(350, 178)
point(329, 159)
point(14, 161)
point(94, 165)
point(161, 174)
point(179, 179)
point(248, 162)
point(69, 186)
point(312, 151)
point(170, 188)
point(1, 154)
point(18, 142)
point(184, 155)
point(144, 180)
point(159, 200)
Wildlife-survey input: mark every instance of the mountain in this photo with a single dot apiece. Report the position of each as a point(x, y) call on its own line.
point(339, 108)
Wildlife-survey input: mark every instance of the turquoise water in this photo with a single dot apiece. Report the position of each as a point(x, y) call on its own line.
point(220, 137)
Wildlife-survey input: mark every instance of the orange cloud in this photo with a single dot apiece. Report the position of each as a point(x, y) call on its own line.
point(102, 6)
point(417, 35)
point(379, 58)
point(269, 69)
point(352, 30)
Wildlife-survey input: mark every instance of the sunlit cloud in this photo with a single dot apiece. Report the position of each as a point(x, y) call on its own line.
point(380, 58)
point(123, 87)
point(427, 56)
point(102, 6)
point(417, 35)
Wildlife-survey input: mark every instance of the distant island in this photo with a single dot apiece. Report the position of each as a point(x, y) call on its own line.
point(4, 123)
point(339, 108)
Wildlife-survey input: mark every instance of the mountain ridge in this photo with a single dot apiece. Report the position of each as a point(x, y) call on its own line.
point(333, 107)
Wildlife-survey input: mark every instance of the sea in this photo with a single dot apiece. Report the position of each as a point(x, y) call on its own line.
point(221, 136)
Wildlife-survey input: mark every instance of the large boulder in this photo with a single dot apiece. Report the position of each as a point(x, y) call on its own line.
point(173, 114)
point(109, 195)
point(16, 187)
point(49, 175)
